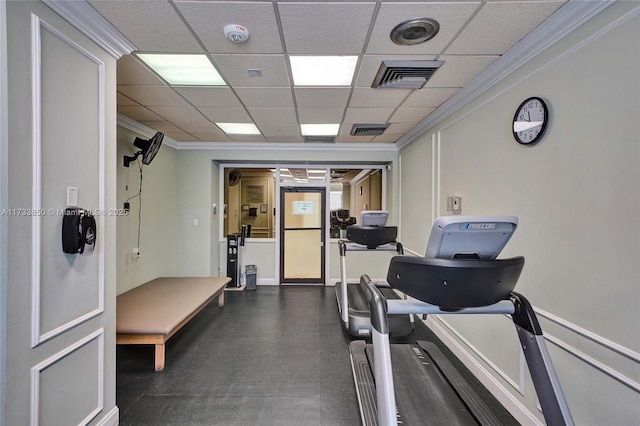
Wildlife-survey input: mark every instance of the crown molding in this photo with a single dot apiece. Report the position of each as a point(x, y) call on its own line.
point(566, 19)
point(85, 18)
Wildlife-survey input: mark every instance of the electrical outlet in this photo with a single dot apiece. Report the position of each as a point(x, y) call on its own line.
point(136, 252)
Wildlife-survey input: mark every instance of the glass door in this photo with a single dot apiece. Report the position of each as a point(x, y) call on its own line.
point(302, 215)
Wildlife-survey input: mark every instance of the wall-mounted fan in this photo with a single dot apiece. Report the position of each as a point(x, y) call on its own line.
point(148, 149)
point(234, 177)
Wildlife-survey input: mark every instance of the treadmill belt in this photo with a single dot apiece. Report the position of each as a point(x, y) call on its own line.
point(424, 395)
point(358, 301)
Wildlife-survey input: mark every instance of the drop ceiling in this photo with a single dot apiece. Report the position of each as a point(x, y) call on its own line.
point(472, 36)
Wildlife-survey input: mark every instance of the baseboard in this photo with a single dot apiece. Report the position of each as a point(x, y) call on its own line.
point(112, 418)
point(518, 410)
point(267, 281)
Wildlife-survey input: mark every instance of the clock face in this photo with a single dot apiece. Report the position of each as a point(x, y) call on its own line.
point(530, 121)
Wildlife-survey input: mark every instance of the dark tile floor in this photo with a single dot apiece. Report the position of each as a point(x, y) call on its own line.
point(275, 356)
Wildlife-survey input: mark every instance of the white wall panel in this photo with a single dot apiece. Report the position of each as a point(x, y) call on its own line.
point(68, 289)
point(417, 179)
point(72, 377)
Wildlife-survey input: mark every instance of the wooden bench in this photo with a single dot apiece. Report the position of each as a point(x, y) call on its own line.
point(153, 312)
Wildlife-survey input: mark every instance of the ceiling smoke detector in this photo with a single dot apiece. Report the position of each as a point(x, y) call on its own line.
point(414, 31)
point(236, 33)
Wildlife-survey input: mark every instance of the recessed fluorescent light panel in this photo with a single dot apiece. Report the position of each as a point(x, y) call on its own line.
point(239, 128)
point(319, 129)
point(184, 70)
point(323, 70)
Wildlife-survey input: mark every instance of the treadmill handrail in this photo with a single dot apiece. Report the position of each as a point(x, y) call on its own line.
point(552, 400)
point(344, 246)
point(347, 245)
point(377, 305)
point(418, 307)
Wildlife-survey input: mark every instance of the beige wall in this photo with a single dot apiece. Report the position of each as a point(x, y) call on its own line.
point(576, 194)
point(158, 216)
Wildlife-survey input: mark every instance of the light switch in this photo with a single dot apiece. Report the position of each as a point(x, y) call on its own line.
point(72, 196)
point(196, 222)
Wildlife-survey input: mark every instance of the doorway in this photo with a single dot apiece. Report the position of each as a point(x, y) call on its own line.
point(302, 235)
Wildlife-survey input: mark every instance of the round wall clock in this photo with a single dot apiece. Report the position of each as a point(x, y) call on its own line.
point(530, 121)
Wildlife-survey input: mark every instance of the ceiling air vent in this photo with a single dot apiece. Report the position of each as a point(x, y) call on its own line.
point(405, 74)
point(368, 129)
point(319, 139)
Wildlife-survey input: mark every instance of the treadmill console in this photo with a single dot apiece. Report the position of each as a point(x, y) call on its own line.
point(374, 217)
point(470, 237)
point(373, 231)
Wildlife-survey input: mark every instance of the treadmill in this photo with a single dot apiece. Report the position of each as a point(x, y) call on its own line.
point(372, 234)
point(459, 275)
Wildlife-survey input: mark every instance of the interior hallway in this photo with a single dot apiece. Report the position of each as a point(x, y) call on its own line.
point(275, 356)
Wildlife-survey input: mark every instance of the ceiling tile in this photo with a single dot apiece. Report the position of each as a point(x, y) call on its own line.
point(226, 115)
point(324, 28)
point(162, 126)
point(123, 100)
point(208, 20)
point(451, 16)
point(429, 97)
point(322, 97)
point(139, 113)
point(178, 113)
point(387, 138)
point(368, 115)
point(273, 115)
point(209, 96)
point(193, 127)
point(475, 33)
point(153, 95)
point(320, 115)
point(367, 96)
point(153, 26)
point(218, 136)
point(279, 131)
point(235, 70)
point(180, 136)
point(131, 71)
point(516, 20)
point(459, 70)
point(410, 115)
point(399, 128)
point(266, 97)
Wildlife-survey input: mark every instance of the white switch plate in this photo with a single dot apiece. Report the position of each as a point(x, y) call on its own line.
point(72, 196)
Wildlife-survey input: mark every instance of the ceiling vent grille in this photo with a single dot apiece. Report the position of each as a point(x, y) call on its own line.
point(368, 129)
point(319, 139)
point(405, 74)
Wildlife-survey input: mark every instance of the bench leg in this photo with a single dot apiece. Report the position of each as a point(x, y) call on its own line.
point(159, 356)
point(221, 299)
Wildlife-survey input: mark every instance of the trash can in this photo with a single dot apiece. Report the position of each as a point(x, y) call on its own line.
point(250, 275)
